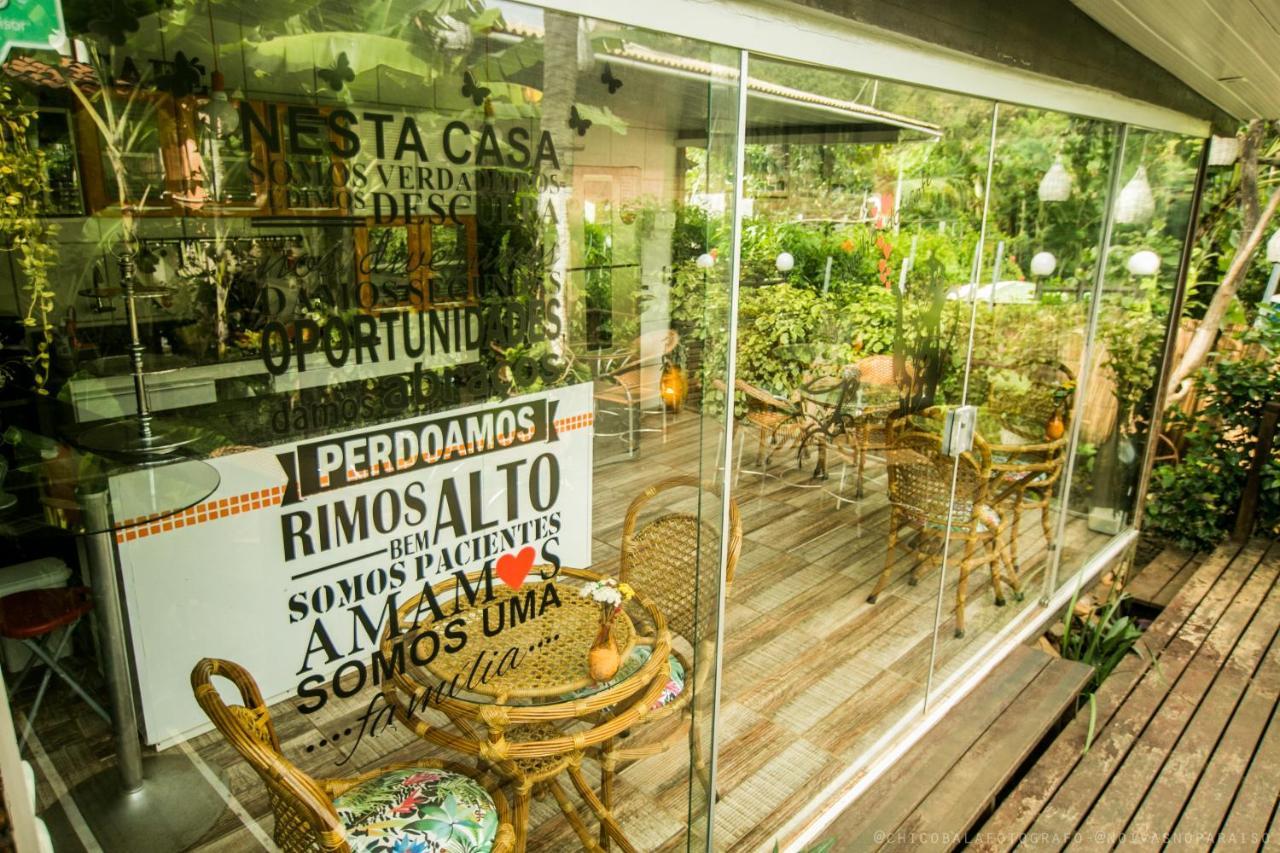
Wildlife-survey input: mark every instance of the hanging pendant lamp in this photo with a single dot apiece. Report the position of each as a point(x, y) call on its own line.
point(1056, 183)
point(1136, 204)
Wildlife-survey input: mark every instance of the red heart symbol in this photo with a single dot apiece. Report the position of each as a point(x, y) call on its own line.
point(514, 568)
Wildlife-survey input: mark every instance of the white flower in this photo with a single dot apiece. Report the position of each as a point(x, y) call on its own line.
point(608, 595)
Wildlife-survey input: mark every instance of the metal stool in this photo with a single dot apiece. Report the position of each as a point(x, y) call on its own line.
point(35, 613)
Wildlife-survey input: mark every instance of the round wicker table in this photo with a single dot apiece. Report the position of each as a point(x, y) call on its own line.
point(507, 669)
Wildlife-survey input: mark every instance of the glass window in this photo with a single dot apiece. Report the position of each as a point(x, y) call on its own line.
point(368, 332)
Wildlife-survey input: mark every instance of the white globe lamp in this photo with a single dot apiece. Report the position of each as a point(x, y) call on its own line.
point(1043, 263)
point(785, 262)
point(1143, 263)
point(705, 261)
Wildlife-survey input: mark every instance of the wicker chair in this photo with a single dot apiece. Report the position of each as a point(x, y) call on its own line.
point(663, 558)
point(920, 480)
point(311, 814)
point(1030, 471)
point(778, 423)
point(635, 384)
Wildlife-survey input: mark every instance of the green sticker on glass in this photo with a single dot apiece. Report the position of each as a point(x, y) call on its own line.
point(30, 23)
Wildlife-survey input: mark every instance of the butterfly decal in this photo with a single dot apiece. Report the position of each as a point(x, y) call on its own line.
point(340, 74)
point(609, 80)
point(473, 90)
point(578, 123)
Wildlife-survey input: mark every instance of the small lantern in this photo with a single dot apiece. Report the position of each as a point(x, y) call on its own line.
point(1056, 183)
point(785, 262)
point(1043, 263)
point(674, 386)
point(1144, 263)
point(1136, 203)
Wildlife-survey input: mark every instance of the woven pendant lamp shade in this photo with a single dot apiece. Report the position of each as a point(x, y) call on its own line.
point(1056, 183)
point(1136, 203)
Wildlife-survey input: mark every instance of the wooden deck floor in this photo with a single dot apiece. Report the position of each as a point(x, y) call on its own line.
point(813, 674)
point(1186, 752)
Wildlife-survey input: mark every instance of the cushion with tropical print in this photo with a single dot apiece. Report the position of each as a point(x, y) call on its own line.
point(423, 810)
point(673, 688)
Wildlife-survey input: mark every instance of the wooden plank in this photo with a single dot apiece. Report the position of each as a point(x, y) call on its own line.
point(943, 818)
point(1234, 763)
point(1111, 780)
point(1153, 577)
point(1170, 589)
point(1015, 815)
point(1174, 781)
point(893, 797)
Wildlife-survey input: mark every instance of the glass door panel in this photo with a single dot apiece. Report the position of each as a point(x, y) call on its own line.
point(861, 216)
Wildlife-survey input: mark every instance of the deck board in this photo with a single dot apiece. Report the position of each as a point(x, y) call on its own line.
point(1187, 751)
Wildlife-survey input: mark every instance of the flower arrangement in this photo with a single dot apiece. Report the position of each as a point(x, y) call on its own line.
point(610, 595)
point(603, 660)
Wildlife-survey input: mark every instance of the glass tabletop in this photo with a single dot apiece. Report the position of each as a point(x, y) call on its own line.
point(48, 480)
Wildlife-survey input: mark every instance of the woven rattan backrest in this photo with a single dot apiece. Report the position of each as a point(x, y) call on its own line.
point(920, 477)
point(1045, 378)
point(306, 820)
point(666, 556)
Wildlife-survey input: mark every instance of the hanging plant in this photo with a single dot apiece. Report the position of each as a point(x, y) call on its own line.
point(25, 233)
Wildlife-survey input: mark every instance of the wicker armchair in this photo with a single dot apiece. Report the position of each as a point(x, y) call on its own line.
point(1027, 474)
point(635, 384)
point(663, 558)
point(328, 814)
point(778, 423)
point(920, 479)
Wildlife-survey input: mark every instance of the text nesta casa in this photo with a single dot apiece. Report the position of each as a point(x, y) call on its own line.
point(393, 137)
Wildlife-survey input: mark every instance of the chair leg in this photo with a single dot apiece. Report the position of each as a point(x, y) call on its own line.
point(1013, 530)
point(737, 474)
point(520, 816)
point(608, 768)
point(962, 586)
point(571, 815)
point(888, 558)
point(862, 464)
point(1044, 523)
point(993, 556)
point(607, 819)
point(55, 668)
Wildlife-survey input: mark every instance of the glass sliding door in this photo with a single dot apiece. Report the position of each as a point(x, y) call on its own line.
point(1030, 309)
point(441, 298)
point(1150, 213)
point(862, 214)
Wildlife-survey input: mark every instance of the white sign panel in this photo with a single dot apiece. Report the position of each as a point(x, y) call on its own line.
point(289, 567)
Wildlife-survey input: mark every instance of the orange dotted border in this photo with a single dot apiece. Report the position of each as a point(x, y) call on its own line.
point(139, 528)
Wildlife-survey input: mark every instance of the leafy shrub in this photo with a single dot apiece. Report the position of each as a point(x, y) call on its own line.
point(1194, 502)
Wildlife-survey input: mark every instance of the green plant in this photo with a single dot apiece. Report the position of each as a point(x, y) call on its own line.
point(25, 232)
point(1100, 639)
point(1194, 501)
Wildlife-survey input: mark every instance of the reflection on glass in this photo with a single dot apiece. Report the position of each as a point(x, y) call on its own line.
point(1151, 212)
point(1044, 223)
point(858, 232)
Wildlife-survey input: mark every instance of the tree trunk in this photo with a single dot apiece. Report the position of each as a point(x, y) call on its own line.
point(1206, 332)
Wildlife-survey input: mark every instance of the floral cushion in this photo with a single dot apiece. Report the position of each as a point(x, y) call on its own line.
point(639, 655)
point(426, 810)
